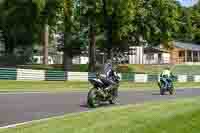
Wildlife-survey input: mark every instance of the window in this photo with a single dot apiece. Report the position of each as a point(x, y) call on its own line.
point(195, 53)
point(181, 53)
point(150, 57)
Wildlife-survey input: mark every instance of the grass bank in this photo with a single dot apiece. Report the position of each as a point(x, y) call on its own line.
point(148, 69)
point(57, 86)
point(177, 116)
point(157, 69)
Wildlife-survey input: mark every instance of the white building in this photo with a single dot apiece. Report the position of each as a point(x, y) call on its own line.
point(136, 55)
point(80, 60)
point(142, 55)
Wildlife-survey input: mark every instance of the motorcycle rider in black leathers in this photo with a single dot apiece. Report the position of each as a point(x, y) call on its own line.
point(110, 76)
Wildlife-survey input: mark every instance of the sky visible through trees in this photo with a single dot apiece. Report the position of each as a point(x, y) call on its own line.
point(188, 2)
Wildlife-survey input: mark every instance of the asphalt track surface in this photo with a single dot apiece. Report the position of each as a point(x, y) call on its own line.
point(22, 107)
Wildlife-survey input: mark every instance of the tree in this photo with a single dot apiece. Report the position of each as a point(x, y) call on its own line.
point(189, 24)
point(186, 31)
point(27, 22)
point(70, 41)
point(18, 24)
point(118, 17)
point(47, 13)
point(109, 22)
point(195, 18)
point(156, 21)
point(91, 16)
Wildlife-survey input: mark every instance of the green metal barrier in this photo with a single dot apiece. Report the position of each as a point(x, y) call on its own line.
point(152, 78)
point(128, 77)
point(55, 75)
point(8, 74)
point(190, 78)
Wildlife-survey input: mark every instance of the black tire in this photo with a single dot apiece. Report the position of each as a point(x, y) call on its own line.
point(92, 99)
point(113, 101)
point(171, 91)
point(114, 96)
point(162, 90)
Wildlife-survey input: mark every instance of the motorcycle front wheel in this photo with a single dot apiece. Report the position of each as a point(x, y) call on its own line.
point(114, 96)
point(113, 101)
point(93, 99)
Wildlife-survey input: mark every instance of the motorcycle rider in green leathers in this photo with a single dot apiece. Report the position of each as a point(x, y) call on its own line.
point(167, 77)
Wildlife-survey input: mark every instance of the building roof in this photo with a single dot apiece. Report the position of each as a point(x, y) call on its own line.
point(154, 50)
point(188, 46)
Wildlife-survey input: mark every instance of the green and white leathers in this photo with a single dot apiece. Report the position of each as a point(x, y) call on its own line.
point(166, 72)
point(166, 82)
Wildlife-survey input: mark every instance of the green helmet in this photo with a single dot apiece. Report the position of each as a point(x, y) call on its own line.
point(167, 67)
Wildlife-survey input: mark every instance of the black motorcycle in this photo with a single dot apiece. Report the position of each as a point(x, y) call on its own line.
point(98, 92)
point(166, 85)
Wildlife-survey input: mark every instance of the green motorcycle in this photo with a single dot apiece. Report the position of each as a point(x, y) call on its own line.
point(166, 85)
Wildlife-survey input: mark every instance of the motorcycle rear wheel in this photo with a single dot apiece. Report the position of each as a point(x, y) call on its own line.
point(171, 91)
point(162, 90)
point(92, 99)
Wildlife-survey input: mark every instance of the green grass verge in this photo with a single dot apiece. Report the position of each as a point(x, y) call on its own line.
point(57, 86)
point(156, 69)
point(177, 116)
point(75, 67)
point(149, 69)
